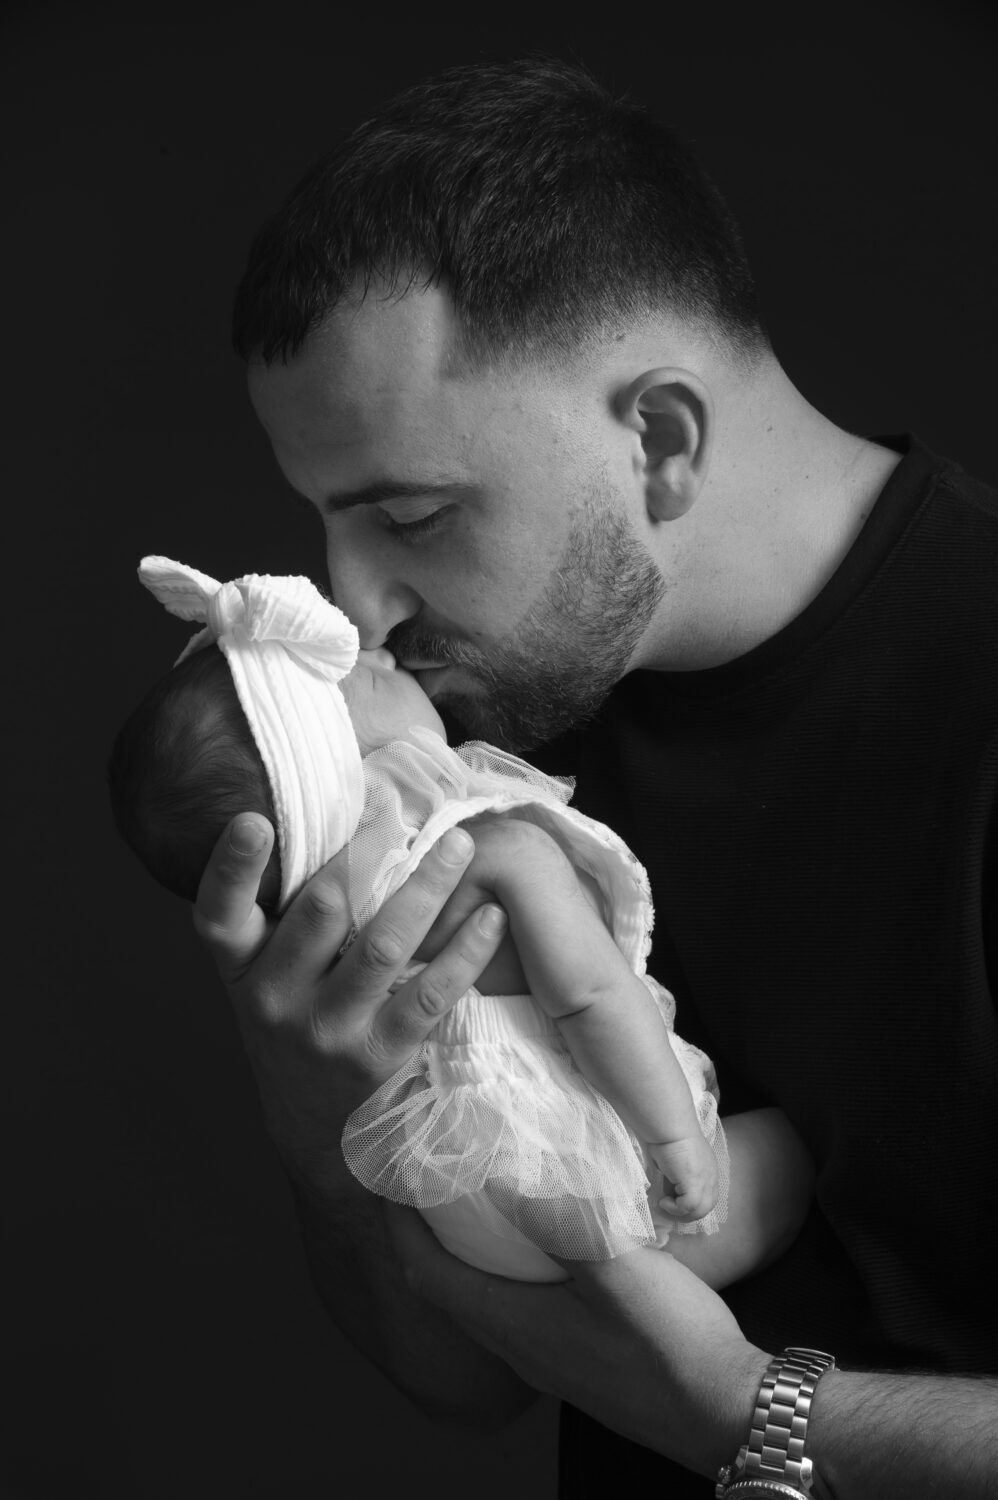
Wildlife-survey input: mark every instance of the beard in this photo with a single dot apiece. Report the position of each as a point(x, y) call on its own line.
point(559, 666)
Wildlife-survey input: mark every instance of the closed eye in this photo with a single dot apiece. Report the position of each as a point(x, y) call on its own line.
point(411, 532)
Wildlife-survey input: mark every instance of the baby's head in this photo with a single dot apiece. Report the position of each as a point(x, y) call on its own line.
point(187, 760)
point(182, 766)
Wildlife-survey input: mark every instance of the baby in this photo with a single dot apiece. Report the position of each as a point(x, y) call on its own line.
point(500, 1129)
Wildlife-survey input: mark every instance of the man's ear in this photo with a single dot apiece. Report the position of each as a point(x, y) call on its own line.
point(672, 412)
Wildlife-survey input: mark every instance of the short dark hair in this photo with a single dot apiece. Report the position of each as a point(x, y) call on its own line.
point(549, 210)
point(182, 766)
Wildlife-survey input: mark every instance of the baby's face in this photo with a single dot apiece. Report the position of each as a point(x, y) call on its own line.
point(385, 702)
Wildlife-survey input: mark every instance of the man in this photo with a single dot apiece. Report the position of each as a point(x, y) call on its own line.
point(506, 342)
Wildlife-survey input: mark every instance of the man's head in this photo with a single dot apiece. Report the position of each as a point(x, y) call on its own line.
point(550, 210)
point(435, 325)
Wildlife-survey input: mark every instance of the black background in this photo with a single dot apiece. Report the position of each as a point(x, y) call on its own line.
point(161, 1338)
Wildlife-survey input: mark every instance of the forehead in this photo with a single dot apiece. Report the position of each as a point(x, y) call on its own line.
point(378, 369)
point(381, 384)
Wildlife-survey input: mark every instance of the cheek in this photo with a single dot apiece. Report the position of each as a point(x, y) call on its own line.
point(490, 577)
point(369, 728)
point(419, 710)
point(478, 577)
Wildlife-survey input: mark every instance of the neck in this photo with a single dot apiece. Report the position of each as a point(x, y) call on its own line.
point(786, 495)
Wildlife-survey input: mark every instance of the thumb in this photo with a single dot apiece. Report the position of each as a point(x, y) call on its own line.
point(226, 915)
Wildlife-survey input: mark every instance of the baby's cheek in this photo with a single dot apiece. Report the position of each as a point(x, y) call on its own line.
point(366, 730)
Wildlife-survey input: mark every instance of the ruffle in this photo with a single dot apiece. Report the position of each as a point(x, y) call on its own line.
point(492, 1132)
point(415, 792)
point(509, 1118)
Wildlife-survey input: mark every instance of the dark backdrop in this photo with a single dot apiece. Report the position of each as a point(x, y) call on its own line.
point(161, 1338)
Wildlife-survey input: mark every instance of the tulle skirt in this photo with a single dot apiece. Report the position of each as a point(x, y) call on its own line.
point(491, 1130)
point(493, 1133)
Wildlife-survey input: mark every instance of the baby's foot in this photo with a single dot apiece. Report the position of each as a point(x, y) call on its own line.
point(690, 1171)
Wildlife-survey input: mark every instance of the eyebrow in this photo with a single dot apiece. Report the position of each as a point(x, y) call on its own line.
point(394, 489)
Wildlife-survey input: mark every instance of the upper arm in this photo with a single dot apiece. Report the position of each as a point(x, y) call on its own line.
point(518, 854)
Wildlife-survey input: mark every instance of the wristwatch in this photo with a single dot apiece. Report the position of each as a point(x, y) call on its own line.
point(772, 1462)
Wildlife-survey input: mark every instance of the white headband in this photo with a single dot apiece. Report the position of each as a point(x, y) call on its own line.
point(287, 647)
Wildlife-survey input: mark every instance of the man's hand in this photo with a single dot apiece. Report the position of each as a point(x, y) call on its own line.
point(639, 1343)
point(322, 1032)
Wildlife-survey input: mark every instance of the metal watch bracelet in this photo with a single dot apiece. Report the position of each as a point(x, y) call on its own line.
point(773, 1462)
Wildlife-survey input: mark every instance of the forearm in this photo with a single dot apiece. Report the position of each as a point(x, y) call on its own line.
point(621, 1045)
point(616, 1036)
point(416, 1346)
point(871, 1435)
point(884, 1436)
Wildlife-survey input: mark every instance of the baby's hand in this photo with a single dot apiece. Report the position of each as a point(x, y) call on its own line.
point(690, 1170)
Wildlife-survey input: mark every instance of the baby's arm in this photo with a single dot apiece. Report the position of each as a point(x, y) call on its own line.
point(621, 1044)
point(617, 1037)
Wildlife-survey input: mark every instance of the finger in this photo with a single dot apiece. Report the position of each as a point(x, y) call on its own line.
point(680, 1211)
point(226, 916)
point(307, 940)
point(386, 945)
point(408, 1017)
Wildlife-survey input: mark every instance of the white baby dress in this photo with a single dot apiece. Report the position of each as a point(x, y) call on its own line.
point(491, 1130)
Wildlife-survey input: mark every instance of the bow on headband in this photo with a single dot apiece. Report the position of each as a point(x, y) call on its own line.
point(287, 648)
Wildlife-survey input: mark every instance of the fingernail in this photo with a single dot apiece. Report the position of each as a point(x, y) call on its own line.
point(247, 836)
point(492, 920)
point(455, 846)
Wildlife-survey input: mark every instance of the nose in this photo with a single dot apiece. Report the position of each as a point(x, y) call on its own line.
point(374, 601)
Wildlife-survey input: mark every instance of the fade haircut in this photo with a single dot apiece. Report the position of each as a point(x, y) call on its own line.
point(182, 766)
point(550, 211)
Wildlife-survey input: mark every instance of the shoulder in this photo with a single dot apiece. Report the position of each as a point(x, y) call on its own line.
point(947, 562)
point(972, 499)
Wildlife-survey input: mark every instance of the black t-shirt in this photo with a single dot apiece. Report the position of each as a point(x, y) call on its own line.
point(818, 822)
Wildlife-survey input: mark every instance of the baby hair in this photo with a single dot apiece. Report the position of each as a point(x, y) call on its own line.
point(182, 766)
